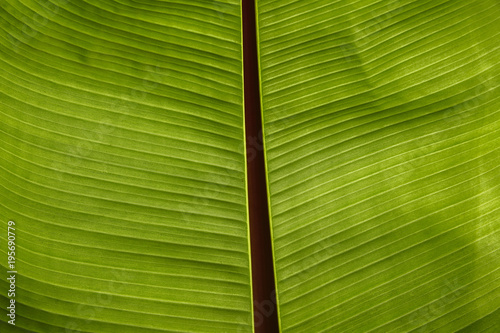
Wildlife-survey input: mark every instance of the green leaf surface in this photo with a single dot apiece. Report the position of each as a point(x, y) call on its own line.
point(122, 165)
point(382, 141)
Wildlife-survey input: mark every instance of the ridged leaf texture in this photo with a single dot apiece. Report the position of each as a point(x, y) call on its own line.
point(382, 141)
point(122, 165)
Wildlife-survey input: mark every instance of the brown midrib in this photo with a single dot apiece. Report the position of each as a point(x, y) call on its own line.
point(265, 314)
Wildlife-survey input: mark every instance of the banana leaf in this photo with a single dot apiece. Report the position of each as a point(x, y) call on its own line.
point(382, 141)
point(122, 166)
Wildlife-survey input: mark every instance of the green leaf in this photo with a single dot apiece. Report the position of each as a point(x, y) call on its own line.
point(122, 165)
point(382, 141)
